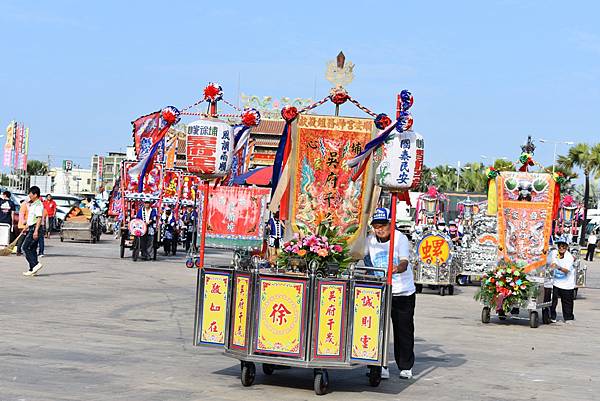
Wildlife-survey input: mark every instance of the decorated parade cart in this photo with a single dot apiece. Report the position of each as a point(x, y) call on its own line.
point(312, 307)
point(478, 247)
point(81, 224)
point(433, 259)
point(525, 204)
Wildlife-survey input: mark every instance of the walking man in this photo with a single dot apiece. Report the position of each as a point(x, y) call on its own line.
point(50, 208)
point(35, 213)
point(148, 214)
point(591, 247)
point(7, 211)
point(403, 288)
point(564, 280)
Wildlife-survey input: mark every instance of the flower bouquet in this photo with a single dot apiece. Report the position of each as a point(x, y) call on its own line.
point(505, 287)
point(326, 247)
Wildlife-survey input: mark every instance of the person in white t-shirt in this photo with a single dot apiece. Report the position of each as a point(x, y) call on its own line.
point(35, 211)
point(403, 288)
point(561, 261)
point(591, 247)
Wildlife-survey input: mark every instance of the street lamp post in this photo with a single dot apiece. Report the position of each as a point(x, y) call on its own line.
point(556, 143)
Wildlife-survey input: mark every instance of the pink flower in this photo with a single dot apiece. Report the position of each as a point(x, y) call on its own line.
point(322, 252)
point(338, 248)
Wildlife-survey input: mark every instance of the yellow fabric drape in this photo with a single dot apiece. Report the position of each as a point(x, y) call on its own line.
point(492, 208)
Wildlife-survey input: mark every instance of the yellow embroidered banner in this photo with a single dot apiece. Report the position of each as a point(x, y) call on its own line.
point(366, 323)
point(281, 317)
point(321, 182)
point(524, 217)
point(214, 308)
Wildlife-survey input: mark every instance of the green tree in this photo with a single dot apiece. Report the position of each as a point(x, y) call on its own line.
point(504, 165)
point(473, 178)
point(36, 167)
point(444, 178)
point(587, 158)
point(426, 179)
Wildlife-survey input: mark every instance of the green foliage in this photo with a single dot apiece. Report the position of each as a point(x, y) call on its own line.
point(36, 167)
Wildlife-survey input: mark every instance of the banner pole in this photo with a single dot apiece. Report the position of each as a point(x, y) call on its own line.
point(392, 237)
point(205, 192)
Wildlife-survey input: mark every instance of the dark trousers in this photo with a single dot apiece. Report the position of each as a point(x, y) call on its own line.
point(566, 300)
point(30, 248)
point(20, 243)
point(547, 298)
point(590, 252)
point(41, 244)
point(147, 246)
point(403, 311)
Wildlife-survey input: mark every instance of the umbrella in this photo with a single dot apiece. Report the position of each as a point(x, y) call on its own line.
point(259, 176)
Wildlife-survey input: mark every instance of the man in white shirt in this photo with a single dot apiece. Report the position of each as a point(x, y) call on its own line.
point(563, 281)
point(35, 212)
point(591, 247)
point(403, 288)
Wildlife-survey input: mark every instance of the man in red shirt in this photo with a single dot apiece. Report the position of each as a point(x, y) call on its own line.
point(50, 208)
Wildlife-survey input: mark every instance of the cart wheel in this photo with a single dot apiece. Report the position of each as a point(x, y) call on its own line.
point(189, 263)
point(374, 376)
point(450, 290)
point(462, 280)
point(419, 288)
point(248, 373)
point(534, 319)
point(442, 290)
point(268, 369)
point(321, 382)
point(485, 314)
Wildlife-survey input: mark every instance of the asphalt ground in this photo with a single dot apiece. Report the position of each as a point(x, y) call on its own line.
point(93, 326)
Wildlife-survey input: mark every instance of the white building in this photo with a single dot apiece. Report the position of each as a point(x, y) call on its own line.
point(76, 181)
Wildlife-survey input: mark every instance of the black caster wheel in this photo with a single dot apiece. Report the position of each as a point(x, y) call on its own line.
point(485, 314)
point(450, 290)
point(268, 369)
point(321, 382)
point(462, 280)
point(248, 373)
point(442, 291)
point(546, 318)
point(374, 376)
point(534, 319)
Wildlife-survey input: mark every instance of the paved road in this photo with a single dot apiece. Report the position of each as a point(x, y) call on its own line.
point(96, 327)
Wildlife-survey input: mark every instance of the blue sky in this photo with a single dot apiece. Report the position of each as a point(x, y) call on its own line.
point(484, 74)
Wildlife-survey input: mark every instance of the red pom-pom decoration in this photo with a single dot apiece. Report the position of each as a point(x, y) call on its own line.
point(289, 113)
point(382, 121)
point(170, 114)
point(250, 117)
point(338, 96)
point(213, 92)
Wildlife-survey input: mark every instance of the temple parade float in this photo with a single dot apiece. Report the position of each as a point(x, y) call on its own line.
point(311, 306)
point(526, 205)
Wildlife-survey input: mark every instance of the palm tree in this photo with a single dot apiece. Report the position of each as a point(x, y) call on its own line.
point(36, 167)
point(504, 165)
point(473, 178)
point(587, 158)
point(444, 177)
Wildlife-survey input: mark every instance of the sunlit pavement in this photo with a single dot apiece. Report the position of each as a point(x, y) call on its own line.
point(93, 326)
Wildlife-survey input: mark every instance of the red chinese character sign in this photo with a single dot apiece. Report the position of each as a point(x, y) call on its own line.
point(330, 321)
point(209, 147)
point(281, 317)
point(525, 205)
point(434, 249)
point(401, 162)
point(366, 323)
point(321, 181)
point(213, 308)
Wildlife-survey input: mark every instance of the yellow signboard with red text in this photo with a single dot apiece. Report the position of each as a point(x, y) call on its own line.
point(330, 335)
point(281, 317)
point(214, 308)
point(239, 317)
point(434, 250)
point(366, 323)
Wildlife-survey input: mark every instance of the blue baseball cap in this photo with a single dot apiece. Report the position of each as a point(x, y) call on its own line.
point(381, 216)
